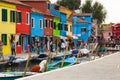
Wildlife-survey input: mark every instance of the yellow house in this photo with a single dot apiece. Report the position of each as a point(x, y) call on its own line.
point(69, 22)
point(69, 33)
point(66, 11)
point(7, 25)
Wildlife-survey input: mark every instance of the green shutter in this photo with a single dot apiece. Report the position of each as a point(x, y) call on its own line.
point(14, 16)
point(20, 17)
point(4, 14)
point(4, 39)
point(29, 40)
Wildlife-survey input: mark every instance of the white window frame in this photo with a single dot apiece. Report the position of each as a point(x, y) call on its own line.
point(33, 22)
point(41, 23)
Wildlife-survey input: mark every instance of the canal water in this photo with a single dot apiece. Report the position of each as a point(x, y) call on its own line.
point(17, 67)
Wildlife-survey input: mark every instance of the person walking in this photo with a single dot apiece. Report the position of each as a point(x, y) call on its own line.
point(1, 49)
point(13, 46)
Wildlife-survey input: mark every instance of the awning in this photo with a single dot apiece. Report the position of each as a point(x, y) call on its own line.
point(63, 37)
point(75, 37)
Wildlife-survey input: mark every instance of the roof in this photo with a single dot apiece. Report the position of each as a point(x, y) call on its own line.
point(17, 2)
point(82, 14)
point(36, 11)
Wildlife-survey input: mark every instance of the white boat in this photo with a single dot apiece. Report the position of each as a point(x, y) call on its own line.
point(14, 75)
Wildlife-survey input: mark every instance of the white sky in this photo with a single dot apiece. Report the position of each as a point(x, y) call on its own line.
point(112, 7)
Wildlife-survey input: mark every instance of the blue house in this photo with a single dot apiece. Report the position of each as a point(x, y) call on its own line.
point(37, 31)
point(82, 26)
point(63, 21)
point(62, 26)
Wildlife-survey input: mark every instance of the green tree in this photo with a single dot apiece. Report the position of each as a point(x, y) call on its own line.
point(70, 4)
point(97, 9)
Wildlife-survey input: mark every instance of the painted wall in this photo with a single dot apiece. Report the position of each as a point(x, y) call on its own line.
point(56, 32)
point(69, 33)
point(116, 31)
point(7, 27)
point(66, 11)
point(63, 22)
point(42, 7)
point(23, 28)
point(36, 30)
point(77, 26)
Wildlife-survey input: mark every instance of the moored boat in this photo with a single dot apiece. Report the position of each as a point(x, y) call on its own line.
point(13, 75)
point(57, 64)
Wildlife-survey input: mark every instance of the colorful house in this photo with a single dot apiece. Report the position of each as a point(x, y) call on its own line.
point(37, 32)
point(69, 21)
point(116, 31)
point(7, 24)
point(56, 29)
point(82, 25)
point(44, 7)
point(23, 28)
point(63, 22)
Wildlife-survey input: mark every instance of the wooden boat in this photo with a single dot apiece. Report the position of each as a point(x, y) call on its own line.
point(15, 60)
point(13, 75)
point(39, 58)
point(57, 64)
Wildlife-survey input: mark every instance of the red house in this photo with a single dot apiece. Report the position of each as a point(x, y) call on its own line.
point(43, 6)
point(116, 31)
point(23, 27)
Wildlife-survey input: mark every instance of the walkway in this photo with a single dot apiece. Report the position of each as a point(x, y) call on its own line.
point(105, 68)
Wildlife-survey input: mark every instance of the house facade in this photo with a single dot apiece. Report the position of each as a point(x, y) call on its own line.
point(116, 31)
point(82, 26)
point(23, 28)
point(44, 7)
point(7, 25)
point(37, 32)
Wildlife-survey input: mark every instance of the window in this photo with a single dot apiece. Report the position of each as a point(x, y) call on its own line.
point(4, 39)
point(4, 15)
point(66, 27)
point(54, 25)
point(12, 16)
point(27, 18)
point(19, 17)
point(83, 30)
point(48, 6)
point(59, 26)
point(51, 24)
point(45, 23)
point(41, 24)
point(32, 23)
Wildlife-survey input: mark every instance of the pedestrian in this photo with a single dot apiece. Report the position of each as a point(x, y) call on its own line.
point(13, 46)
point(63, 45)
point(1, 50)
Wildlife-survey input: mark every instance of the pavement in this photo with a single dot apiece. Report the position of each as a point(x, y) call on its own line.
point(105, 68)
